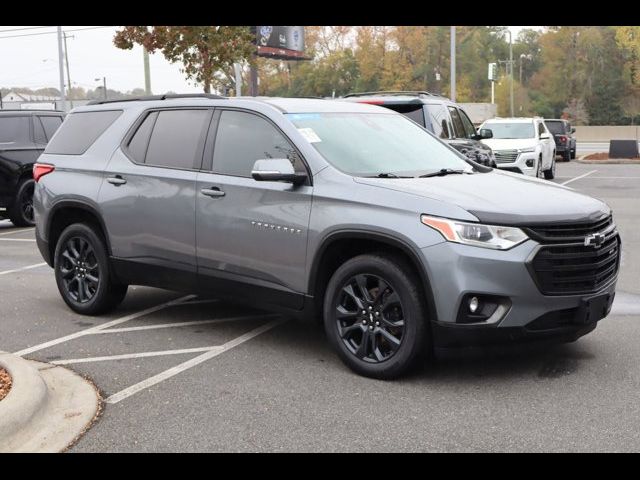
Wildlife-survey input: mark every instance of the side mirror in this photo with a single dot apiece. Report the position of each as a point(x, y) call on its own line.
point(276, 170)
point(486, 133)
point(573, 129)
point(544, 136)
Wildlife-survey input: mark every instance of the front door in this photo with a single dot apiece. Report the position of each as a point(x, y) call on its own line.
point(247, 231)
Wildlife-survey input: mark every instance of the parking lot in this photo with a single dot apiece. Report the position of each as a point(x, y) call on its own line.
point(182, 373)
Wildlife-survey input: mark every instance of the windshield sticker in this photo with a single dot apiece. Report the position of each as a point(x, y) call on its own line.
point(309, 135)
point(304, 116)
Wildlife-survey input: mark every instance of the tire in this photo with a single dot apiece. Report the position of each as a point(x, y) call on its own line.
point(539, 168)
point(566, 156)
point(80, 257)
point(21, 213)
point(551, 172)
point(363, 341)
point(573, 154)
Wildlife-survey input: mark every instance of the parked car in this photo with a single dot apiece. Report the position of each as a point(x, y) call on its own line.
point(522, 145)
point(442, 117)
point(23, 136)
point(340, 211)
point(562, 132)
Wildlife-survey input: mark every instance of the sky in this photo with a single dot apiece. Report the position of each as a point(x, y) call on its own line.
point(32, 61)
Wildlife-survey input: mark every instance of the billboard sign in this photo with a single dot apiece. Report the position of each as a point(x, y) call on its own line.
point(282, 42)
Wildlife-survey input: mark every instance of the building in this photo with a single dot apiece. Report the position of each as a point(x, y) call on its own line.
point(25, 101)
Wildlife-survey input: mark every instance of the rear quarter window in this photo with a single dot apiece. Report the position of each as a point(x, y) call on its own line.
point(80, 130)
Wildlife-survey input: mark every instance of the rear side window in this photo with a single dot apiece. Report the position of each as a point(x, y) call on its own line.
point(469, 129)
point(80, 130)
point(439, 119)
point(50, 124)
point(140, 141)
point(177, 137)
point(242, 138)
point(14, 130)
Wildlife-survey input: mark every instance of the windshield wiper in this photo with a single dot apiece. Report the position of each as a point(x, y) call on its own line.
point(442, 172)
point(388, 175)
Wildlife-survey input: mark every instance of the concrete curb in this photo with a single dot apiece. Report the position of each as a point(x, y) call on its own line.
point(613, 161)
point(47, 409)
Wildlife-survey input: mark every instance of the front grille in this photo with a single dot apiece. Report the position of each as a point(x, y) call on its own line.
point(564, 265)
point(505, 156)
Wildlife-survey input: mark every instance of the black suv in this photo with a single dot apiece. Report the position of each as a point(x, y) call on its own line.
point(439, 115)
point(23, 136)
point(562, 132)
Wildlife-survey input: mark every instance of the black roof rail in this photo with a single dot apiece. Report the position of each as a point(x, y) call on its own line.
point(158, 97)
point(393, 92)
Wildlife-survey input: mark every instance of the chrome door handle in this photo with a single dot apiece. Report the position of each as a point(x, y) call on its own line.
point(117, 180)
point(212, 192)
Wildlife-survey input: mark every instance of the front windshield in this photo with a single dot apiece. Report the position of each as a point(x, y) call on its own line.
point(370, 144)
point(510, 130)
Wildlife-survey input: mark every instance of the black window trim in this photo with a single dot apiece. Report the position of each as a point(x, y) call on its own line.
point(207, 165)
point(124, 144)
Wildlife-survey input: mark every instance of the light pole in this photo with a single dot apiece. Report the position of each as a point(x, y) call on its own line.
point(453, 64)
point(61, 70)
point(104, 85)
point(510, 71)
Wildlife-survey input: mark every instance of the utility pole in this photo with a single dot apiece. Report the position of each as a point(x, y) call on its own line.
point(66, 59)
point(61, 71)
point(104, 86)
point(511, 70)
point(253, 86)
point(453, 64)
point(147, 73)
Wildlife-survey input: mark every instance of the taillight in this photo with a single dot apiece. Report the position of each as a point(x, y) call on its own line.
point(41, 169)
point(562, 138)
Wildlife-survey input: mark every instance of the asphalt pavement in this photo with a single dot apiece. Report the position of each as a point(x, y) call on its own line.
point(234, 378)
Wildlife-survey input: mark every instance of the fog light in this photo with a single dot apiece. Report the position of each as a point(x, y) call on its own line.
point(529, 163)
point(473, 304)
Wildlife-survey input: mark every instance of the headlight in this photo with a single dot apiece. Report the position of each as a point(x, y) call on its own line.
point(526, 150)
point(487, 236)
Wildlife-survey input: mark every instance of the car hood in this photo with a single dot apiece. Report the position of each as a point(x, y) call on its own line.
point(509, 143)
point(501, 198)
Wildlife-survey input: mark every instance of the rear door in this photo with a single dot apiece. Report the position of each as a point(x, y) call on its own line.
point(148, 196)
point(251, 232)
point(17, 154)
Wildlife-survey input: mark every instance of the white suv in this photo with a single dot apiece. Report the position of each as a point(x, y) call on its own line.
point(522, 145)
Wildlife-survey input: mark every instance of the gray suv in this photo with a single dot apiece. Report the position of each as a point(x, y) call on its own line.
point(346, 212)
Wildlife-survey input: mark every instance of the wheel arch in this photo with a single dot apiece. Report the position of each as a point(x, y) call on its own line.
point(358, 242)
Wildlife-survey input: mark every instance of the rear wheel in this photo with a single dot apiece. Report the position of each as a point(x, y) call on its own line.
point(573, 154)
point(567, 156)
point(83, 273)
point(375, 317)
point(21, 214)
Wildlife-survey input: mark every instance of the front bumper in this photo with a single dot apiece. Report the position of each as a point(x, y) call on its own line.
point(520, 165)
point(457, 271)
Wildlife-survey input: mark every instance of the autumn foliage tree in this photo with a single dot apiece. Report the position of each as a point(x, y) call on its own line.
point(207, 53)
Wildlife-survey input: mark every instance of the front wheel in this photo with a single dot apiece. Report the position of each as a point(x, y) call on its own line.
point(551, 172)
point(83, 274)
point(375, 316)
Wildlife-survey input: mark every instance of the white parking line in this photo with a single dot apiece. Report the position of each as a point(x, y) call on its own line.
point(17, 231)
point(578, 178)
point(92, 330)
point(134, 355)
point(181, 324)
point(6, 272)
point(132, 390)
point(17, 240)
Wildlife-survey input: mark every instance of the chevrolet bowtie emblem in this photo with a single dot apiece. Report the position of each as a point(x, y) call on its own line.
point(596, 240)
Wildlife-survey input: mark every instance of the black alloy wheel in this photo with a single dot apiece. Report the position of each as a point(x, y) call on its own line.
point(370, 318)
point(80, 270)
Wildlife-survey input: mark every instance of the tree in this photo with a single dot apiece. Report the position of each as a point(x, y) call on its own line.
point(207, 53)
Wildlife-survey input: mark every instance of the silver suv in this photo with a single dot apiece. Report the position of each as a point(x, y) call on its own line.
point(346, 212)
